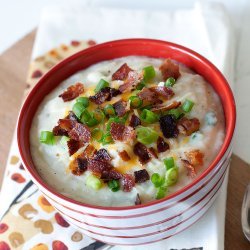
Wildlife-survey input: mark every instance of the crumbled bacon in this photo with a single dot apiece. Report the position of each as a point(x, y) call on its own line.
point(195, 157)
point(152, 153)
point(149, 96)
point(163, 91)
point(121, 73)
point(134, 121)
point(132, 80)
point(71, 116)
point(105, 94)
point(142, 152)
point(169, 69)
point(188, 126)
point(124, 155)
point(66, 124)
point(72, 92)
point(168, 126)
point(88, 152)
point(102, 155)
point(111, 175)
point(162, 146)
point(81, 166)
point(128, 182)
point(58, 131)
point(137, 200)
point(73, 146)
point(80, 132)
point(190, 168)
point(121, 107)
point(99, 167)
point(120, 132)
point(141, 176)
point(161, 108)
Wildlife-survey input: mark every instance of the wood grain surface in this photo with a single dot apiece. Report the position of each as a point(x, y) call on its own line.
point(13, 70)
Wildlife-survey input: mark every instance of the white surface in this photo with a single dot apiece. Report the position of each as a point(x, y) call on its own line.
point(205, 29)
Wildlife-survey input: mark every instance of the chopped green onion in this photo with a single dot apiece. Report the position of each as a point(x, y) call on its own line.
point(83, 100)
point(107, 139)
point(97, 134)
point(135, 101)
point(141, 85)
point(177, 113)
point(157, 180)
point(47, 137)
point(169, 162)
point(93, 182)
point(187, 106)
point(161, 193)
point(170, 82)
point(78, 109)
point(92, 122)
point(115, 119)
point(149, 73)
point(114, 185)
point(109, 110)
point(64, 140)
point(148, 116)
point(86, 116)
point(146, 135)
point(148, 107)
point(171, 176)
point(98, 115)
point(102, 84)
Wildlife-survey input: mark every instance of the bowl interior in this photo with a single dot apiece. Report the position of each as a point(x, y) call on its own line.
point(116, 49)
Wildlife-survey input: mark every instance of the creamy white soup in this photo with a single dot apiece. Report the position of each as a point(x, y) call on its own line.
point(127, 131)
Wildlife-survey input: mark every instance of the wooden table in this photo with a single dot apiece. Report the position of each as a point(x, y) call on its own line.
point(13, 69)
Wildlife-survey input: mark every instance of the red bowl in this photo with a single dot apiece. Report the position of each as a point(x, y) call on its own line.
point(153, 221)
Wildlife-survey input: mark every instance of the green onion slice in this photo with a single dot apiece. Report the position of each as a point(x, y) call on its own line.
point(98, 115)
point(102, 84)
point(171, 176)
point(169, 162)
point(97, 134)
point(148, 116)
point(78, 109)
point(149, 73)
point(47, 137)
point(64, 140)
point(107, 138)
point(157, 180)
point(187, 105)
point(93, 182)
point(161, 193)
point(177, 113)
point(170, 82)
point(135, 101)
point(146, 135)
point(83, 100)
point(109, 110)
point(114, 185)
point(141, 85)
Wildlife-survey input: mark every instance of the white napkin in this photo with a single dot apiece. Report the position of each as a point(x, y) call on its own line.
point(205, 29)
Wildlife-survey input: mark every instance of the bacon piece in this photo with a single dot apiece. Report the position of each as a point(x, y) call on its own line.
point(160, 108)
point(138, 200)
point(142, 152)
point(162, 146)
point(102, 155)
point(169, 69)
point(105, 94)
point(121, 107)
point(121, 73)
point(128, 182)
point(124, 155)
point(134, 121)
point(120, 132)
point(188, 126)
point(73, 146)
point(80, 167)
point(71, 116)
point(190, 168)
point(163, 91)
point(58, 131)
point(195, 157)
point(133, 79)
point(168, 126)
point(141, 176)
point(80, 132)
point(149, 96)
point(110, 175)
point(66, 124)
point(152, 153)
point(99, 167)
point(72, 92)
